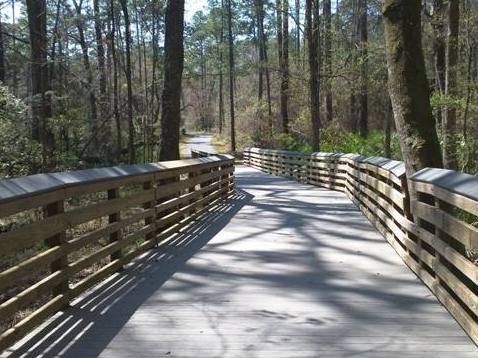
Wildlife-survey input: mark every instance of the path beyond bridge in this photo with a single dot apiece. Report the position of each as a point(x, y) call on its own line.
point(280, 270)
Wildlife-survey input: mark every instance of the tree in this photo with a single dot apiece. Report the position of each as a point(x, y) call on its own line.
point(328, 58)
point(408, 85)
point(312, 34)
point(114, 60)
point(2, 54)
point(439, 45)
point(173, 71)
point(263, 60)
point(100, 54)
point(80, 25)
point(363, 58)
point(131, 146)
point(283, 46)
point(231, 75)
point(41, 104)
point(449, 118)
point(221, 69)
point(297, 29)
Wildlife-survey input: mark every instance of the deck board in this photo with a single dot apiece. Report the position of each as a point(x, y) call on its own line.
point(281, 270)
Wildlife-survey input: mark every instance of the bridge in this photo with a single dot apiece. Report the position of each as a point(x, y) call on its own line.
point(295, 255)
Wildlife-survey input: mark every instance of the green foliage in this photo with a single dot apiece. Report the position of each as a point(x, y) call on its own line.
point(18, 153)
point(339, 141)
point(467, 153)
point(335, 140)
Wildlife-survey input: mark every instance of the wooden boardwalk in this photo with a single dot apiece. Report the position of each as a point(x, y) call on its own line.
point(281, 270)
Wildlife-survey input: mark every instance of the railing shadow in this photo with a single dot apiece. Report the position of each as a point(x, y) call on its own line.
point(100, 314)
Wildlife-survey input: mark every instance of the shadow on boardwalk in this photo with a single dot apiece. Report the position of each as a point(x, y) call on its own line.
point(297, 272)
point(117, 299)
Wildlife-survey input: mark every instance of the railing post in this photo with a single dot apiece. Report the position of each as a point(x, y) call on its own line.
point(192, 189)
point(60, 264)
point(148, 185)
point(114, 218)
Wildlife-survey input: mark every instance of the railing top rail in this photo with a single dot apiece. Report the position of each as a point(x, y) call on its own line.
point(275, 151)
point(396, 167)
point(17, 188)
point(450, 180)
point(327, 155)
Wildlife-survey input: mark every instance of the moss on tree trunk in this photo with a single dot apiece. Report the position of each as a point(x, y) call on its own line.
point(408, 85)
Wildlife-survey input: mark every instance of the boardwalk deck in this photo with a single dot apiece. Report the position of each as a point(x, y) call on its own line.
point(281, 270)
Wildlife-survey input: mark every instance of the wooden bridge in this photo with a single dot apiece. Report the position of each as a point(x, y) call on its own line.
point(328, 257)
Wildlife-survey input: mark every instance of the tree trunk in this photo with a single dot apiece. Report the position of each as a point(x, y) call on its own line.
point(129, 85)
point(100, 55)
point(328, 58)
point(89, 75)
point(264, 68)
point(260, 38)
point(312, 34)
point(388, 129)
point(54, 41)
point(14, 69)
point(449, 118)
point(221, 69)
point(119, 140)
point(41, 105)
point(408, 85)
point(173, 71)
point(2, 55)
point(297, 29)
point(363, 96)
point(438, 23)
point(283, 45)
point(231, 76)
point(439, 44)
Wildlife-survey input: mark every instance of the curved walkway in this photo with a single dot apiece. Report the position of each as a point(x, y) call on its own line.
point(281, 270)
point(200, 142)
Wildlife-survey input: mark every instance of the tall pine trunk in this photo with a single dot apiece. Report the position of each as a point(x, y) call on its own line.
point(114, 57)
point(449, 117)
point(129, 85)
point(221, 69)
point(2, 55)
point(89, 77)
point(173, 71)
point(408, 85)
point(41, 104)
point(312, 34)
point(328, 58)
point(100, 55)
point(297, 29)
point(283, 47)
point(363, 82)
point(231, 75)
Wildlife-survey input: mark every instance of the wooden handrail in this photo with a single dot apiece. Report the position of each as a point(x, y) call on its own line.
point(196, 153)
point(62, 233)
point(434, 235)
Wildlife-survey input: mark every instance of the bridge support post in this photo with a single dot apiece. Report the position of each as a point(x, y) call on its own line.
point(60, 264)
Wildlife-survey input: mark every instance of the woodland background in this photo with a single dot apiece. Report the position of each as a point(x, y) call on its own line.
point(101, 65)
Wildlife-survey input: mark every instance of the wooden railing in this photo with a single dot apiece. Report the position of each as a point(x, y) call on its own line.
point(196, 153)
point(62, 233)
point(435, 235)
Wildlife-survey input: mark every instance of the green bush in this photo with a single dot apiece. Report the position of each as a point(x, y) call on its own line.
point(338, 141)
point(335, 140)
point(18, 153)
